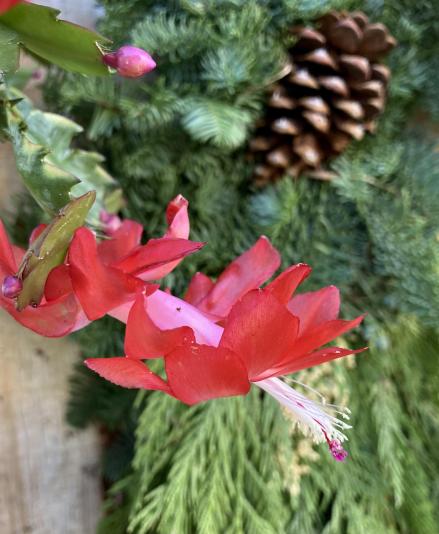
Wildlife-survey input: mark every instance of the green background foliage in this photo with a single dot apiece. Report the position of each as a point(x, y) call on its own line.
point(227, 466)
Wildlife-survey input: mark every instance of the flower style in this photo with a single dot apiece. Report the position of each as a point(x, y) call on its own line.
point(97, 277)
point(267, 334)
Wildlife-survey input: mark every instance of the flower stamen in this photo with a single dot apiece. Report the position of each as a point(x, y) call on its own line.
point(313, 417)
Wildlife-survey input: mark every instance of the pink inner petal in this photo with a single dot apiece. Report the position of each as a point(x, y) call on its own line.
point(168, 312)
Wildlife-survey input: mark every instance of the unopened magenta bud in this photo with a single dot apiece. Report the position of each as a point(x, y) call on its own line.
point(110, 222)
point(130, 61)
point(337, 451)
point(11, 287)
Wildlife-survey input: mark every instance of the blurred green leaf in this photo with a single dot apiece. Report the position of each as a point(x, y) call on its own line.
point(48, 184)
point(50, 168)
point(67, 45)
point(9, 49)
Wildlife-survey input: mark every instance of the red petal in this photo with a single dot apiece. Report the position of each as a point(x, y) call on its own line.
point(7, 4)
point(247, 272)
point(323, 334)
point(198, 288)
point(311, 360)
point(7, 258)
point(99, 288)
point(261, 331)
point(143, 339)
point(177, 218)
point(53, 319)
point(18, 254)
point(198, 373)
point(58, 283)
point(284, 285)
point(315, 307)
point(122, 242)
point(157, 258)
point(127, 373)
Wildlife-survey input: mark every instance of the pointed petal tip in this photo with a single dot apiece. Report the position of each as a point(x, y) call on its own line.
point(179, 200)
point(88, 362)
point(358, 320)
point(177, 217)
point(286, 283)
point(127, 372)
point(267, 240)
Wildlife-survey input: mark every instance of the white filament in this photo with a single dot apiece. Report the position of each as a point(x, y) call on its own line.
point(313, 417)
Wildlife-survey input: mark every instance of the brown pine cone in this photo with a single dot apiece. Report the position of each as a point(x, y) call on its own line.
point(332, 93)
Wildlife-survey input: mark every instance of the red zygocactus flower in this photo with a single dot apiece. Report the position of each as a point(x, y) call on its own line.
point(96, 277)
point(267, 334)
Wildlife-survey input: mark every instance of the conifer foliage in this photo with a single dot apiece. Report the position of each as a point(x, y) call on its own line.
point(233, 465)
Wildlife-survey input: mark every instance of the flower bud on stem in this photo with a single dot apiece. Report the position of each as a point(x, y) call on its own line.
point(130, 61)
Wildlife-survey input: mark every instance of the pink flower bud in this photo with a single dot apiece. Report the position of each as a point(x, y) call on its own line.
point(130, 61)
point(110, 222)
point(11, 287)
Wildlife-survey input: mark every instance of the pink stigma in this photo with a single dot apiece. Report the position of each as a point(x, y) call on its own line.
point(11, 287)
point(337, 451)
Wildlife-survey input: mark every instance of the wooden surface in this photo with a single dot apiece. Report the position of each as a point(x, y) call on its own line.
point(49, 473)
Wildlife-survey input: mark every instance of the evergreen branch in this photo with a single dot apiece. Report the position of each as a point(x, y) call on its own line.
point(224, 124)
